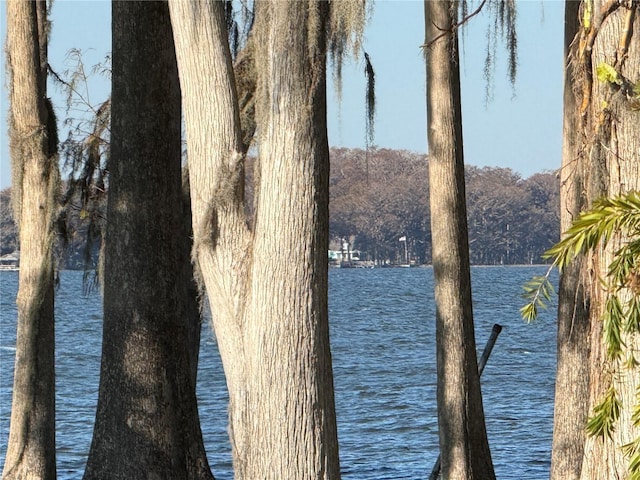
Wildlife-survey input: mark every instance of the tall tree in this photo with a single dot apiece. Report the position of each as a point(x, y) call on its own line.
point(147, 423)
point(605, 61)
point(33, 147)
point(267, 286)
point(572, 376)
point(464, 447)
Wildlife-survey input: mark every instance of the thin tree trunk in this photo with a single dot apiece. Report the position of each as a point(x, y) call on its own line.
point(147, 423)
point(214, 142)
point(463, 439)
point(572, 377)
point(31, 446)
point(267, 288)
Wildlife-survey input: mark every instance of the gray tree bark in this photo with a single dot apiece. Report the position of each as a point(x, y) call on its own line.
point(147, 423)
point(572, 376)
point(609, 145)
point(267, 287)
point(31, 446)
point(464, 447)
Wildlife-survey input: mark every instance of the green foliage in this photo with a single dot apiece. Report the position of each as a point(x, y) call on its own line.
point(610, 218)
point(632, 315)
point(538, 291)
point(605, 415)
point(587, 14)
point(635, 415)
point(632, 449)
point(613, 327)
point(597, 226)
point(607, 74)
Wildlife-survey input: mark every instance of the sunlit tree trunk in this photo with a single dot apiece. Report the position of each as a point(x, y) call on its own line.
point(267, 287)
point(147, 423)
point(464, 447)
point(31, 445)
point(288, 302)
point(609, 144)
point(572, 377)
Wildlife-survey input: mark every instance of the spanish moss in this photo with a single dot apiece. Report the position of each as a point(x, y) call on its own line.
point(371, 99)
point(346, 34)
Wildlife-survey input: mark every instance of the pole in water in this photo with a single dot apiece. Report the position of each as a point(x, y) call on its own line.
point(495, 331)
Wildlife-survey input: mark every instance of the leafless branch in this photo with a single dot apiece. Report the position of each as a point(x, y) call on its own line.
point(455, 26)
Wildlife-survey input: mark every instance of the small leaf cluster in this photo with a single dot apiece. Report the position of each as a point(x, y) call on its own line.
point(605, 415)
point(607, 74)
point(538, 292)
point(610, 218)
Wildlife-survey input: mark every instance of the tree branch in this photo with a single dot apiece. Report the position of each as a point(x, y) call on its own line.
point(455, 26)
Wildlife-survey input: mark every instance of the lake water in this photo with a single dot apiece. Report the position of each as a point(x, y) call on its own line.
point(383, 345)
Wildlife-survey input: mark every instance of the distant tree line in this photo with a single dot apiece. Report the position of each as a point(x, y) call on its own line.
point(380, 195)
point(8, 229)
point(79, 231)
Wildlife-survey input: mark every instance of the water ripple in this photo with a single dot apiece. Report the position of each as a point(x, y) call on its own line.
point(383, 346)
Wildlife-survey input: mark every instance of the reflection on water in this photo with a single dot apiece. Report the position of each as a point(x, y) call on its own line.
point(382, 337)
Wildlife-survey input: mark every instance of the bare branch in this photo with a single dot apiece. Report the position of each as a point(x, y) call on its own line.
point(455, 26)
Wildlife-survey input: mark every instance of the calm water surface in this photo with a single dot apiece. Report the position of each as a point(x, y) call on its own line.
point(383, 345)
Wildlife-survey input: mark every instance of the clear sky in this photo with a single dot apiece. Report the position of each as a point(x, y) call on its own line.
point(519, 128)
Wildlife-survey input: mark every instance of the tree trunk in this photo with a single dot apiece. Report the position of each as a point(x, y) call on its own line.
point(267, 288)
point(464, 447)
point(607, 144)
point(572, 377)
point(147, 423)
point(214, 143)
point(31, 446)
point(287, 309)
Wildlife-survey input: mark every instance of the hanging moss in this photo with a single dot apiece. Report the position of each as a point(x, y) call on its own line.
point(347, 22)
point(371, 98)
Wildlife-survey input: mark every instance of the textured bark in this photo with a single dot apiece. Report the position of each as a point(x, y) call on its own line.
point(289, 329)
point(607, 144)
point(267, 288)
point(464, 448)
point(572, 376)
point(147, 423)
point(31, 446)
point(220, 233)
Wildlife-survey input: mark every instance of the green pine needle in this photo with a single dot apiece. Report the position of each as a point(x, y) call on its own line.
point(538, 292)
point(605, 415)
point(610, 218)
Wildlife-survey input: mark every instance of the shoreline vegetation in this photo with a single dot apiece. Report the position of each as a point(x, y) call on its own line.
point(379, 214)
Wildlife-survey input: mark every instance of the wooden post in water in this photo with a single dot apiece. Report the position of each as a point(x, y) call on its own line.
point(435, 473)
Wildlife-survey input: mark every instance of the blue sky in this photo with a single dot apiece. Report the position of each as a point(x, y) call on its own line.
point(520, 128)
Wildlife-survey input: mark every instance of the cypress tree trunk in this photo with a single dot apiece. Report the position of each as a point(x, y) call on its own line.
point(287, 308)
point(572, 377)
point(267, 287)
point(31, 446)
point(147, 423)
point(609, 145)
point(464, 448)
